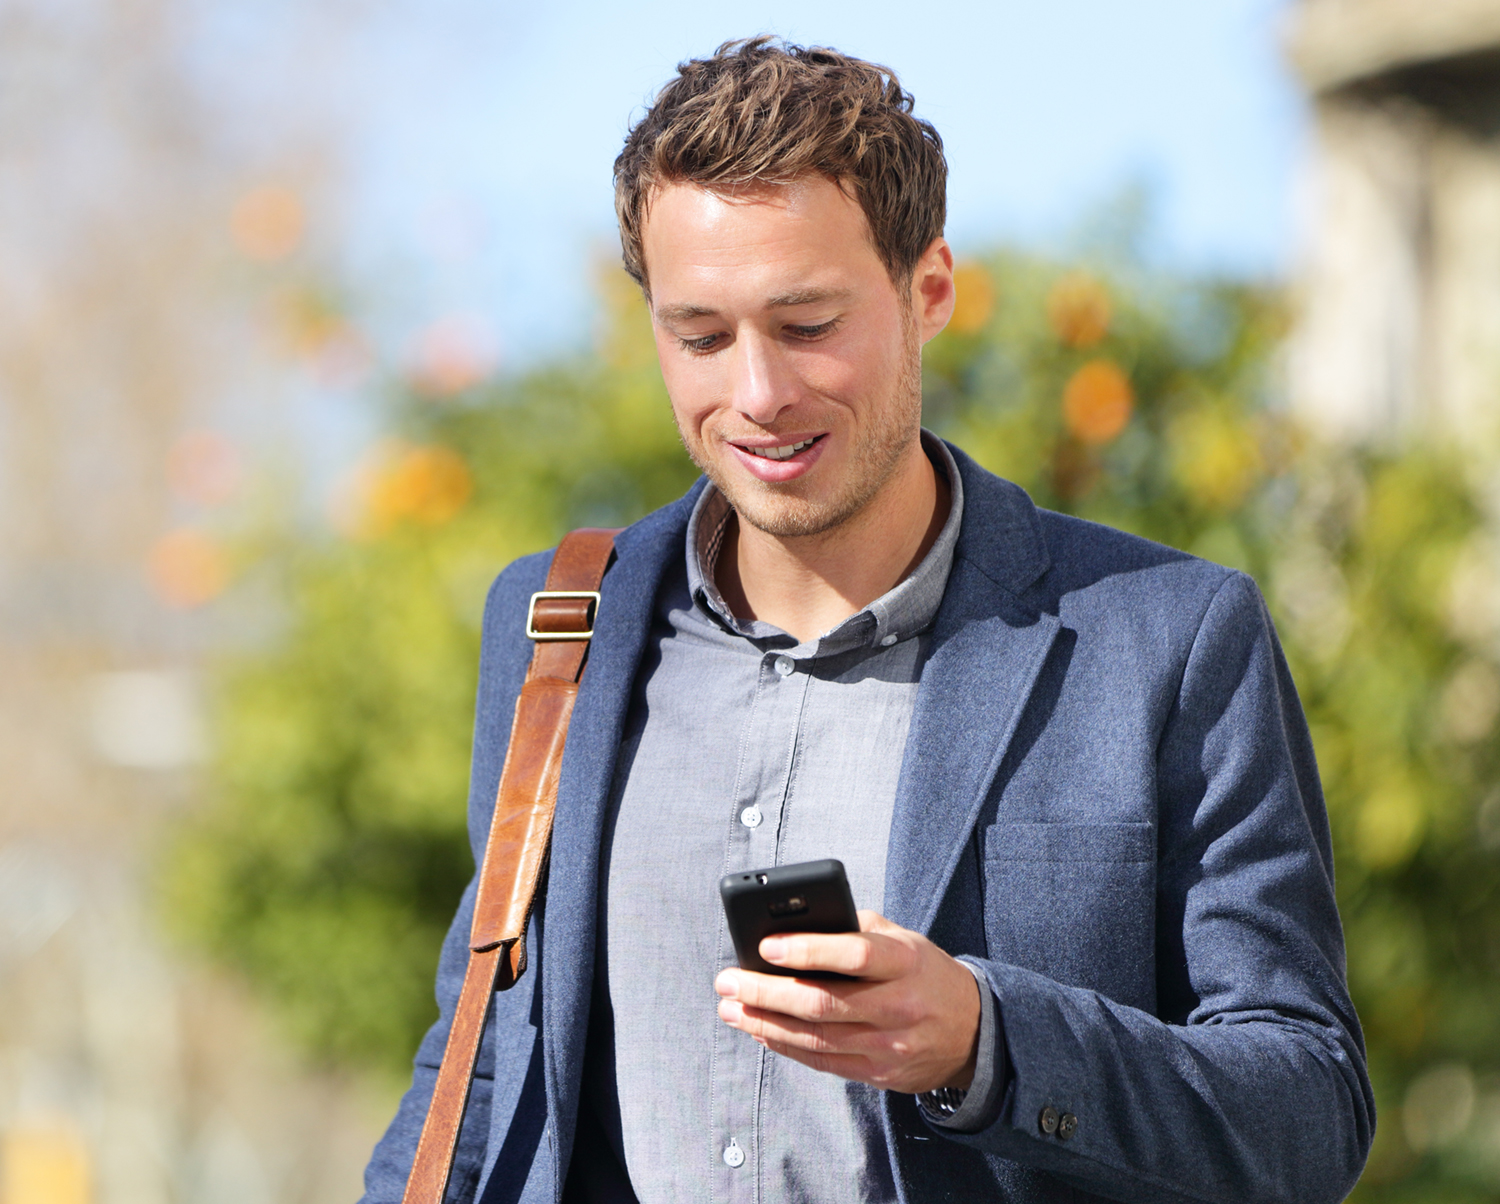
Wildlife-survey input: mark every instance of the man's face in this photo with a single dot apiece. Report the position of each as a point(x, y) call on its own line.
point(793, 366)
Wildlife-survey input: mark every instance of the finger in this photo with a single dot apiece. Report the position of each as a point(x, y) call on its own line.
point(812, 1001)
point(861, 1069)
point(870, 955)
point(808, 1036)
point(890, 1061)
point(848, 1066)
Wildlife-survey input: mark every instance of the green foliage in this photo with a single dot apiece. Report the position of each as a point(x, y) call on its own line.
point(335, 851)
point(331, 860)
point(1388, 596)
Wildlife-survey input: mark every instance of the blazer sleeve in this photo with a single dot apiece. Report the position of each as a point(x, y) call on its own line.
point(1249, 1083)
point(504, 655)
point(391, 1163)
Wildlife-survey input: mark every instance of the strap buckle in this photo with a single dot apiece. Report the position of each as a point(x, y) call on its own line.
point(548, 595)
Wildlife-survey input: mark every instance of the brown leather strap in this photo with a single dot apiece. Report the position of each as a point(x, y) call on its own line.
point(516, 854)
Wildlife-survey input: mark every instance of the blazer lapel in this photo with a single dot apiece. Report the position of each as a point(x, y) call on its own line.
point(987, 647)
point(568, 922)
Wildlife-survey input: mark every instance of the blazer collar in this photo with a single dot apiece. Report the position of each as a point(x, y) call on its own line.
point(987, 648)
point(1001, 534)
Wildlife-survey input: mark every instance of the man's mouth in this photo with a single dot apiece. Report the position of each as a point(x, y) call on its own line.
point(785, 452)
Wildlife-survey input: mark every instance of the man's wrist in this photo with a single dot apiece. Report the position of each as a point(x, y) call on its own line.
point(968, 1111)
point(963, 1077)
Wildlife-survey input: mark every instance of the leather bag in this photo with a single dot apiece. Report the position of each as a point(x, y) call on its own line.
point(560, 621)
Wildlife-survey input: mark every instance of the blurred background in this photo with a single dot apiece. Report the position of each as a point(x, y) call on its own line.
point(311, 319)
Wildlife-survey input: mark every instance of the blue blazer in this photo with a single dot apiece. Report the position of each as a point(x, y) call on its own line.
point(1108, 796)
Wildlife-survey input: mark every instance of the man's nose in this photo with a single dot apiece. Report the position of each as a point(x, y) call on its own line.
point(764, 383)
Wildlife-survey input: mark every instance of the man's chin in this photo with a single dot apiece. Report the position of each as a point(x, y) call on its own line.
point(788, 517)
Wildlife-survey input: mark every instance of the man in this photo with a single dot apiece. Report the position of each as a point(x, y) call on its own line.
point(1066, 768)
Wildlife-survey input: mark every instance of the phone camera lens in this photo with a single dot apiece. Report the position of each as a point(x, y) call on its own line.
point(761, 878)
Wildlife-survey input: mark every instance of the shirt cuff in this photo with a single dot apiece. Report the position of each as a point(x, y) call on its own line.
point(981, 1102)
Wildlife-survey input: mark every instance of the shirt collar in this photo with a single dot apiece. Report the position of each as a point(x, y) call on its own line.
point(900, 613)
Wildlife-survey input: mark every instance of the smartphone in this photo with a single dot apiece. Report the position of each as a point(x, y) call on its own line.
point(811, 896)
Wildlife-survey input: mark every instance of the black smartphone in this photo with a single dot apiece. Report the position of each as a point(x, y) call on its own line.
point(811, 896)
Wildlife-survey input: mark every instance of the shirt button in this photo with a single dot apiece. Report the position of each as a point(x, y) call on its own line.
point(733, 1155)
point(751, 817)
point(1048, 1119)
point(1067, 1125)
point(887, 640)
point(785, 665)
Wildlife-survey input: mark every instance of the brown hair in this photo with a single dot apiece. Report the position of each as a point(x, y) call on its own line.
point(763, 111)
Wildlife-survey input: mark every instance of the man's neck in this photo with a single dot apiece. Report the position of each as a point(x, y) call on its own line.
point(807, 585)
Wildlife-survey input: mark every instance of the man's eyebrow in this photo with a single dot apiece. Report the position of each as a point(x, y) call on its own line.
point(808, 296)
point(672, 314)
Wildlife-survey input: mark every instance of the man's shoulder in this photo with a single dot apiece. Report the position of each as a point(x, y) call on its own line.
point(1050, 558)
point(644, 545)
point(1083, 553)
point(510, 592)
point(1102, 572)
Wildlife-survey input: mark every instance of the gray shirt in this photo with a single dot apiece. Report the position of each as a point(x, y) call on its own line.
point(744, 749)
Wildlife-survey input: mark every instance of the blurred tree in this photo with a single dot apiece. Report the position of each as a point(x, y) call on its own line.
point(1387, 594)
point(332, 863)
point(336, 852)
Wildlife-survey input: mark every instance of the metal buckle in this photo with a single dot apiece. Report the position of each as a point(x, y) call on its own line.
point(533, 634)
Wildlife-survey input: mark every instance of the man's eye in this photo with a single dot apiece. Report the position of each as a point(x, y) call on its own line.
point(809, 333)
point(701, 344)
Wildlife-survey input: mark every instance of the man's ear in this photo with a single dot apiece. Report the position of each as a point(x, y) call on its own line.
point(932, 293)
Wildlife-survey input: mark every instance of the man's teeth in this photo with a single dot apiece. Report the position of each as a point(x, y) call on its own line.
point(780, 453)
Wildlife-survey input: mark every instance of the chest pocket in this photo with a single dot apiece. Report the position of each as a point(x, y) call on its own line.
point(1076, 902)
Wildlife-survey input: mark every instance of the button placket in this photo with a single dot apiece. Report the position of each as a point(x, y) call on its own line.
point(767, 756)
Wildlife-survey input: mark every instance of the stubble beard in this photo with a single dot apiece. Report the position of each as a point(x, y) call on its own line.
point(778, 511)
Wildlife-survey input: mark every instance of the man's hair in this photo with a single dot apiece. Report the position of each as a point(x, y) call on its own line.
point(763, 111)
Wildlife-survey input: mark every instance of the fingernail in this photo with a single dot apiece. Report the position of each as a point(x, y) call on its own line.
point(772, 949)
point(727, 984)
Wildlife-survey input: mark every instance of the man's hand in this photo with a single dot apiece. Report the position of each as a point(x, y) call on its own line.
point(910, 1024)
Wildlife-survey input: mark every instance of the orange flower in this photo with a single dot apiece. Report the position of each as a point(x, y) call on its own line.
point(49, 1162)
point(974, 298)
point(1097, 402)
point(1078, 310)
point(267, 223)
point(402, 483)
point(187, 568)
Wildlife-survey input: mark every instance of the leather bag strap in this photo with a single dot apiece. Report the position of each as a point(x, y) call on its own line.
point(560, 621)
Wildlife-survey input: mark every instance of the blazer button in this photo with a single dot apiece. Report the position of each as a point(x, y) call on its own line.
point(1048, 1120)
point(1067, 1125)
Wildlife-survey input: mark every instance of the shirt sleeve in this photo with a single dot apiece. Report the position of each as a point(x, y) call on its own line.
point(981, 1102)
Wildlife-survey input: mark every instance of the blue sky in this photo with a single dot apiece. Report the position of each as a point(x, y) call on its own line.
point(480, 135)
